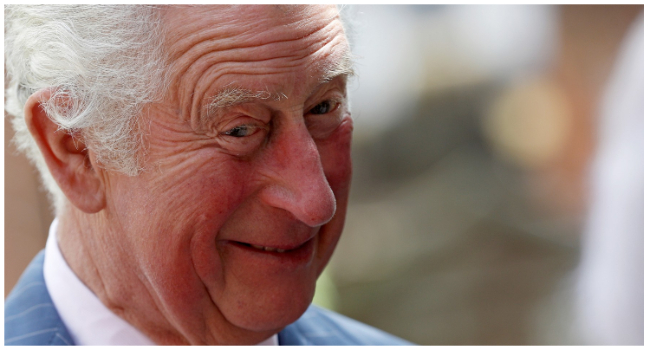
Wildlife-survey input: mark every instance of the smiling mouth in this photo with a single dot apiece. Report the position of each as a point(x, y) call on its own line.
point(282, 255)
point(262, 248)
point(266, 249)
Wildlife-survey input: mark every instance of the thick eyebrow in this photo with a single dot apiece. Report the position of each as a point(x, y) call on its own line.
point(342, 67)
point(232, 95)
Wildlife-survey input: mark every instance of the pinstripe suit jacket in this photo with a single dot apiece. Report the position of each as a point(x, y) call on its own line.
point(32, 319)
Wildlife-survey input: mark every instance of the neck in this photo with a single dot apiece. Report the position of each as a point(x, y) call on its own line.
point(104, 262)
point(82, 240)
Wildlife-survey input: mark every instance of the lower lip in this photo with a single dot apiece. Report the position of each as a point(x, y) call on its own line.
point(291, 258)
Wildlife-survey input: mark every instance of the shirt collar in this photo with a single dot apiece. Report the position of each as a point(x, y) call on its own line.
point(87, 319)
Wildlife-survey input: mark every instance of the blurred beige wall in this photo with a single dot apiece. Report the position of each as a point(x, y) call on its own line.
point(27, 213)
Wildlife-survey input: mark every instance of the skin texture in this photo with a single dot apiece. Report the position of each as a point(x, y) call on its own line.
point(169, 250)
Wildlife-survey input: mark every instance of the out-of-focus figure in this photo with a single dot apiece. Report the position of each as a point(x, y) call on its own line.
point(609, 286)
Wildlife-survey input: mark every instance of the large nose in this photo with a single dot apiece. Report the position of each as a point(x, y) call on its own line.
point(297, 183)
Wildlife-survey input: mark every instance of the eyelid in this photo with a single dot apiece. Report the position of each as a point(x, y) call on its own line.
point(219, 118)
point(256, 132)
point(247, 125)
point(336, 101)
point(219, 128)
point(330, 91)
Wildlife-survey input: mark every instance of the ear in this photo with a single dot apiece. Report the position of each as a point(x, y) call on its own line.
point(67, 158)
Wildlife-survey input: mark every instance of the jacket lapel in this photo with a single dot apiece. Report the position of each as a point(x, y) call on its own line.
point(30, 315)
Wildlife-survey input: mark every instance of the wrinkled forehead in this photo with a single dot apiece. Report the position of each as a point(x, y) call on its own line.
point(243, 24)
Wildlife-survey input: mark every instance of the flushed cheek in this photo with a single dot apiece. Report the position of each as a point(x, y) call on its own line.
point(197, 205)
point(337, 165)
point(175, 242)
point(335, 158)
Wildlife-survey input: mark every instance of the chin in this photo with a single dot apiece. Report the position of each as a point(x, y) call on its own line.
point(271, 315)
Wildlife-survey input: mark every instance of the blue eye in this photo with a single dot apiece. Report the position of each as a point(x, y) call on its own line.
point(322, 108)
point(239, 131)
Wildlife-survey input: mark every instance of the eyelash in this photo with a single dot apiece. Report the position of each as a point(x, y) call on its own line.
point(329, 103)
point(232, 131)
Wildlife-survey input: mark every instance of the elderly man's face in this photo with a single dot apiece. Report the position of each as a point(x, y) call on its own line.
point(245, 187)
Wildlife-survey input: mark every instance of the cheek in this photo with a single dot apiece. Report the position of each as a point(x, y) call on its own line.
point(193, 193)
point(183, 207)
point(336, 160)
point(337, 165)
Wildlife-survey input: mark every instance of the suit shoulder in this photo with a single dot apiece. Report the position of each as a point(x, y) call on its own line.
point(323, 327)
point(30, 315)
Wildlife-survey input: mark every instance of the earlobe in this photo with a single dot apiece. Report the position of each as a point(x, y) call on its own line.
point(67, 157)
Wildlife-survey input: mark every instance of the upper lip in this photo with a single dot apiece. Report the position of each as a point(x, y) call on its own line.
point(274, 246)
point(274, 238)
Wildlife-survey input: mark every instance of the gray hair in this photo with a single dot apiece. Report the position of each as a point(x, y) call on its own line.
point(102, 64)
